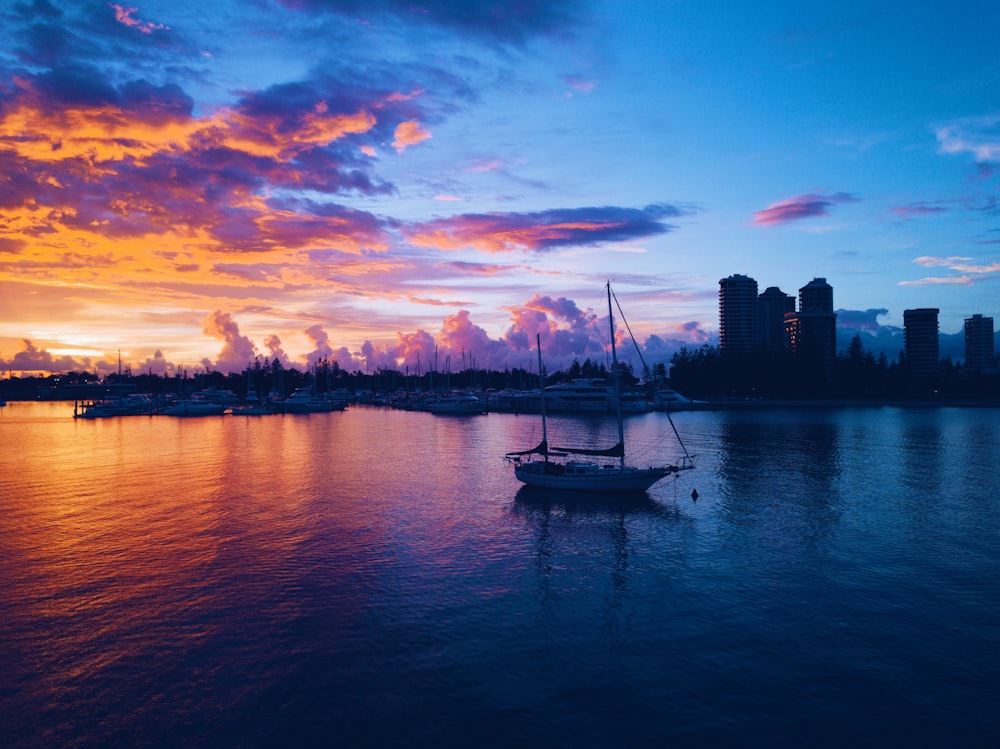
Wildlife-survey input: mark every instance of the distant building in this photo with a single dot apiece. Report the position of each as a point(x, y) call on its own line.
point(979, 353)
point(811, 332)
point(920, 341)
point(816, 296)
point(738, 321)
point(772, 306)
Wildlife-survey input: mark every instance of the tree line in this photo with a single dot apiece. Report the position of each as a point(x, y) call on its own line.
point(700, 373)
point(856, 374)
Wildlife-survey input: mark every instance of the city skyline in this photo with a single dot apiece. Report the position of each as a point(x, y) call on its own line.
point(194, 186)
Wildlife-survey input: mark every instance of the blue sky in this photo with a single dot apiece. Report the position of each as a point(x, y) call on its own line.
point(195, 184)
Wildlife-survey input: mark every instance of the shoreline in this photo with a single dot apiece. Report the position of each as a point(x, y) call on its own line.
point(760, 404)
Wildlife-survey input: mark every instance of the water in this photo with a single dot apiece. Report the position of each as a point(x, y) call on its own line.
point(378, 578)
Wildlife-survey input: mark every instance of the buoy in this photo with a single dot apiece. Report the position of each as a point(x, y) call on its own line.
point(694, 495)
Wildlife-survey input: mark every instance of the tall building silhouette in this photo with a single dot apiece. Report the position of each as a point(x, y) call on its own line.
point(979, 353)
point(772, 306)
point(738, 322)
point(920, 340)
point(812, 331)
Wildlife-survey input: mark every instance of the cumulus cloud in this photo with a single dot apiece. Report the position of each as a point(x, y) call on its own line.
point(273, 345)
point(861, 320)
point(33, 359)
point(156, 364)
point(800, 207)
point(238, 351)
point(321, 345)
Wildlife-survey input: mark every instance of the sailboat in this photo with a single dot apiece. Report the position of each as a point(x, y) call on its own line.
point(553, 467)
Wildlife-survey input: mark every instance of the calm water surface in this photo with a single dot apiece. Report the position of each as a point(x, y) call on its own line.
point(379, 578)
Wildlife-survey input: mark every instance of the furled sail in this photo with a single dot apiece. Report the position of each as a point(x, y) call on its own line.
point(612, 452)
point(541, 449)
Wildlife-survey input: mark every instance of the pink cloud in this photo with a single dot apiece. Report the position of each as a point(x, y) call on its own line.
point(321, 345)
point(123, 14)
point(809, 205)
point(543, 230)
point(237, 351)
point(33, 359)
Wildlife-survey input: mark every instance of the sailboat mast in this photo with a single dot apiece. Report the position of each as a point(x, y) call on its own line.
point(614, 369)
point(541, 395)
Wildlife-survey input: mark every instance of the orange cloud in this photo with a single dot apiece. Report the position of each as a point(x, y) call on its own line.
point(409, 133)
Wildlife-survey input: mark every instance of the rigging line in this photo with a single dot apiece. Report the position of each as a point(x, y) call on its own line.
point(645, 368)
point(677, 434)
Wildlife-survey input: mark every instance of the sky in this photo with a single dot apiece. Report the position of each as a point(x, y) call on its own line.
point(410, 184)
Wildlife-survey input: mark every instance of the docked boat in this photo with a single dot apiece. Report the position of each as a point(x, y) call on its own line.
point(195, 407)
point(457, 404)
point(554, 467)
point(666, 399)
point(305, 401)
point(131, 404)
point(588, 395)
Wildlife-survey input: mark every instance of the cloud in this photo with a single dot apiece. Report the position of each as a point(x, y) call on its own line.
point(156, 365)
point(565, 330)
point(940, 281)
point(321, 345)
point(809, 205)
point(123, 14)
point(970, 271)
point(914, 210)
point(861, 320)
point(502, 21)
point(409, 134)
point(979, 136)
point(33, 359)
point(544, 230)
point(238, 350)
point(273, 345)
point(962, 264)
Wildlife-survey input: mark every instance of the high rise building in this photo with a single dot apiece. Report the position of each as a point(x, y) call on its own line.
point(979, 353)
point(738, 322)
point(772, 306)
point(816, 296)
point(920, 340)
point(811, 332)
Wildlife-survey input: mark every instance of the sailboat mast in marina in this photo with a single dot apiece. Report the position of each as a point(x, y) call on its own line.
point(555, 468)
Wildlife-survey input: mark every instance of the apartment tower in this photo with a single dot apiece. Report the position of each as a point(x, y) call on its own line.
point(738, 320)
point(920, 340)
point(812, 331)
point(979, 354)
point(772, 306)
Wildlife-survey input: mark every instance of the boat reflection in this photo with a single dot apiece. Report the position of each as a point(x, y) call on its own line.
point(573, 500)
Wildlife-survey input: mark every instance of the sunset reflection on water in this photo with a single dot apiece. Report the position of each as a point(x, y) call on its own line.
point(376, 577)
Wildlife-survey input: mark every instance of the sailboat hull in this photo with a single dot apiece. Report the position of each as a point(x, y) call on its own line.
point(589, 477)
